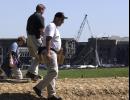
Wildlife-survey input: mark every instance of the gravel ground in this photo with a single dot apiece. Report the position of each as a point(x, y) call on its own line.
point(116, 88)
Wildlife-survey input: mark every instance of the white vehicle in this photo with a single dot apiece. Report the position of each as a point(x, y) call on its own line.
point(82, 66)
point(42, 66)
point(107, 65)
point(91, 66)
point(87, 66)
point(65, 66)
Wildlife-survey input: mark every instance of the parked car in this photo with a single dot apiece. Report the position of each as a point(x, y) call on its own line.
point(107, 65)
point(87, 66)
point(65, 66)
point(42, 66)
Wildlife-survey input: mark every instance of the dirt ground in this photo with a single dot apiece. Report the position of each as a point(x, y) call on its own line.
point(115, 88)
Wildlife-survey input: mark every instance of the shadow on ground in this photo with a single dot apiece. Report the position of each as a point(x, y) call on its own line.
point(18, 96)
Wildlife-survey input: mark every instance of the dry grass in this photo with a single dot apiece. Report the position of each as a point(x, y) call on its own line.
point(72, 89)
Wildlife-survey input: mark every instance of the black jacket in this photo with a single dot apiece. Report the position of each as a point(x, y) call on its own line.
point(34, 24)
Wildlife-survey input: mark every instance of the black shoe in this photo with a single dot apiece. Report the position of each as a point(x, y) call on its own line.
point(30, 75)
point(38, 92)
point(40, 77)
point(55, 98)
point(33, 76)
point(36, 78)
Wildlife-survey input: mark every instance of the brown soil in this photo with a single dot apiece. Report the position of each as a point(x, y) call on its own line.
point(72, 89)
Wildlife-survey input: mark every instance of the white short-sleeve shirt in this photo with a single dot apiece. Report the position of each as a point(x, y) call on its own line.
point(52, 31)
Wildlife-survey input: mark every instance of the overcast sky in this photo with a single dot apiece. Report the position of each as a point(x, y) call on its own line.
point(106, 17)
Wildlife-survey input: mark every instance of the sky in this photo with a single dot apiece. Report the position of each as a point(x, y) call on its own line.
point(105, 17)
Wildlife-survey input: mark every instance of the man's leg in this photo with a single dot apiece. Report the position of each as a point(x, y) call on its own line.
point(51, 88)
point(34, 66)
point(33, 44)
point(17, 73)
point(49, 79)
point(7, 70)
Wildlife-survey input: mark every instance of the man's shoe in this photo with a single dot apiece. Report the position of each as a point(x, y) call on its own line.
point(30, 75)
point(33, 76)
point(40, 77)
point(36, 78)
point(39, 93)
point(55, 98)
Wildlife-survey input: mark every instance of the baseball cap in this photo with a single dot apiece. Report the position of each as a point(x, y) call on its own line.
point(60, 15)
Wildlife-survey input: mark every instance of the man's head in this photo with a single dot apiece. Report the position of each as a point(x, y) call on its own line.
point(21, 40)
point(59, 18)
point(40, 8)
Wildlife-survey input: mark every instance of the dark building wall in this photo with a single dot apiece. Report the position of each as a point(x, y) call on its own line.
point(69, 47)
point(110, 51)
point(81, 52)
point(122, 53)
point(106, 50)
point(4, 45)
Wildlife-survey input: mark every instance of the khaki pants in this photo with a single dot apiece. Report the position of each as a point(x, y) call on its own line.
point(33, 45)
point(17, 73)
point(49, 80)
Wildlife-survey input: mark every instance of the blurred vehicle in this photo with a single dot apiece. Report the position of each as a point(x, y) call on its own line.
point(86, 66)
point(42, 66)
point(107, 65)
point(65, 66)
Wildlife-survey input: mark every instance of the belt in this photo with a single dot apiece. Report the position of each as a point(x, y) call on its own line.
point(40, 49)
point(54, 50)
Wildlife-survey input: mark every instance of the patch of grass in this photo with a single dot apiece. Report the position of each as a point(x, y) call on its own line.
point(91, 73)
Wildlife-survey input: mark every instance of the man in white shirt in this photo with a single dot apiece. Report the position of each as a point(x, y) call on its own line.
point(51, 45)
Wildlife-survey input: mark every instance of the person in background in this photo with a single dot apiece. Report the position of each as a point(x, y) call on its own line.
point(51, 46)
point(35, 29)
point(11, 65)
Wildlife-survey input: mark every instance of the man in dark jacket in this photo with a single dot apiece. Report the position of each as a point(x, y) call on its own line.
point(35, 29)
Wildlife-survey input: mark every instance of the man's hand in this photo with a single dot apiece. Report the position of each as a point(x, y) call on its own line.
point(48, 47)
point(48, 57)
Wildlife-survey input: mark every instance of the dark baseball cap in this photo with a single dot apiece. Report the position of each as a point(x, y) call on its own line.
point(60, 15)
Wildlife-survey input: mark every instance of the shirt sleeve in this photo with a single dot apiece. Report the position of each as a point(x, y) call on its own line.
point(14, 47)
point(39, 25)
point(50, 30)
point(40, 21)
